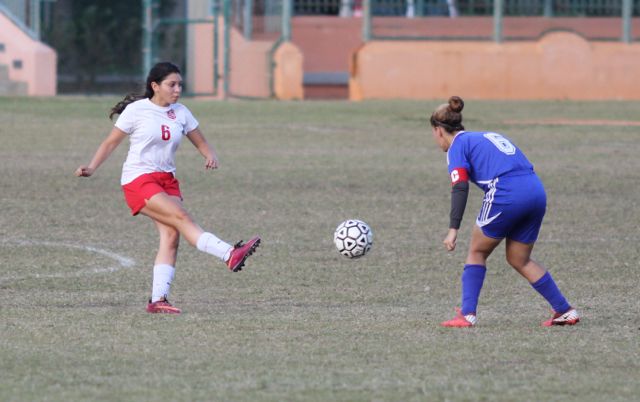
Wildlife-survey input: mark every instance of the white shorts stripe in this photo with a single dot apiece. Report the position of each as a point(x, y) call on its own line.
point(487, 202)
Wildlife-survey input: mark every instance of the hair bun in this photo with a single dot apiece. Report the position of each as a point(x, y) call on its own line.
point(456, 104)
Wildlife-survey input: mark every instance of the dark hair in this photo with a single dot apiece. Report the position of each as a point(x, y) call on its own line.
point(449, 115)
point(157, 74)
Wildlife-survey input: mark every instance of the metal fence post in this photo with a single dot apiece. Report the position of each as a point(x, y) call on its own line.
point(34, 18)
point(366, 20)
point(497, 21)
point(548, 8)
point(287, 11)
point(215, 12)
point(627, 11)
point(419, 8)
point(147, 36)
point(226, 13)
point(247, 25)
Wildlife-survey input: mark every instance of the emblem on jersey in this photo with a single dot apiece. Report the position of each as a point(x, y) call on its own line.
point(171, 114)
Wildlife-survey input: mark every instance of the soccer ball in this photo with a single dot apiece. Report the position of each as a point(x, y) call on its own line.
point(353, 238)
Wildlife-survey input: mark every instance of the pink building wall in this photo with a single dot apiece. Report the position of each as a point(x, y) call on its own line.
point(38, 61)
point(250, 67)
point(561, 65)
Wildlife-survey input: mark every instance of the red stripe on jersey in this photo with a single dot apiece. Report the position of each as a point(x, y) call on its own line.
point(458, 175)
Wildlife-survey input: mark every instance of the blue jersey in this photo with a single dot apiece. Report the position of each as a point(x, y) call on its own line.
point(484, 156)
point(514, 202)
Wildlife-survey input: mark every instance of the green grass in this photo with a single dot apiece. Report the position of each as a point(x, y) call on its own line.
point(302, 322)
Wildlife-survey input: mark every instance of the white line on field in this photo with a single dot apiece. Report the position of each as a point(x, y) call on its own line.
point(123, 262)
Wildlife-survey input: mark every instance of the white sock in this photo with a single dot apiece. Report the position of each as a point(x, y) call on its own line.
point(210, 244)
point(162, 277)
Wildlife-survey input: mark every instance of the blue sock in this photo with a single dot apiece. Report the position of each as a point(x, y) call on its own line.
point(547, 287)
point(472, 279)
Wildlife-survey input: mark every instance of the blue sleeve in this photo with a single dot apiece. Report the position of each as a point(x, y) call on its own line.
point(457, 155)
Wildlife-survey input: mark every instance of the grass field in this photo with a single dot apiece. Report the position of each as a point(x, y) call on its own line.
point(301, 322)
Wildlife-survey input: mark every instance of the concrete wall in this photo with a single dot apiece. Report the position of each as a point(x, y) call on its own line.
point(250, 67)
point(200, 71)
point(326, 42)
point(287, 72)
point(256, 69)
point(29, 61)
point(200, 68)
point(560, 65)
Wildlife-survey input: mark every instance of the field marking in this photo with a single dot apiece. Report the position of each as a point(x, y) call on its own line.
point(567, 122)
point(123, 262)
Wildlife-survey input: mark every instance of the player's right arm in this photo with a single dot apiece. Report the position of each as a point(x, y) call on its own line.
point(459, 195)
point(105, 149)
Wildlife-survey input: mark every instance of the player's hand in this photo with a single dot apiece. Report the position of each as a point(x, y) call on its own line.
point(450, 240)
point(84, 171)
point(211, 163)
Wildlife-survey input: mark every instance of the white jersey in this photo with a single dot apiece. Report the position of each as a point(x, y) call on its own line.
point(155, 133)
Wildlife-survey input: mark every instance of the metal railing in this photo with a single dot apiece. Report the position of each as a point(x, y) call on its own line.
point(488, 19)
point(497, 20)
point(548, 8)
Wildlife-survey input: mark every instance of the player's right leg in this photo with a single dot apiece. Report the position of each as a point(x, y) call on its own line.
point(518, 256)
point(169, 211)
point(473, 276)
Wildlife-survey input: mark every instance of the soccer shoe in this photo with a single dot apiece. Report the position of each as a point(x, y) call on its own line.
point(241, 252)
point(570, 317)
point(162, 306)
point(460, 321)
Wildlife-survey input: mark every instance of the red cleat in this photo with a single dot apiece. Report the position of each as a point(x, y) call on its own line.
point(570, 317)
point(162, 306)
point(241, 252)
point(460, 321)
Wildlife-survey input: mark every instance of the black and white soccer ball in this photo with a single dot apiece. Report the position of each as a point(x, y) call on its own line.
point(353, 238)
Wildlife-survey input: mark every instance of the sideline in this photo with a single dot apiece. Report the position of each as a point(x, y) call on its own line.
point(123, 262)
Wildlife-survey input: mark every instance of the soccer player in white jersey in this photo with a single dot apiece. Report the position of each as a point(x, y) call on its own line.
point(155, 124)
point(513, 208)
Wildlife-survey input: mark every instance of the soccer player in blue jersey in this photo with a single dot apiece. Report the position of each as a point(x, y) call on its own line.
point(513, 207)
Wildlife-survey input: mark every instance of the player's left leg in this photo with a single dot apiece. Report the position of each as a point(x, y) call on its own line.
point(480, 248)
point(519, 257)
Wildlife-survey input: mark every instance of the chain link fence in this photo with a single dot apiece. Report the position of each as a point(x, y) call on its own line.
point(462, 8)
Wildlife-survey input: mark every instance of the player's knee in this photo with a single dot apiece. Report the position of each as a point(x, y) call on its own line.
point(516, 262)
point(169, 238)
point(476, 258)
point(181, 215)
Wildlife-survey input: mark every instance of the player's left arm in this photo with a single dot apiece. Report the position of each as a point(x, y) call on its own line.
point(201, 144)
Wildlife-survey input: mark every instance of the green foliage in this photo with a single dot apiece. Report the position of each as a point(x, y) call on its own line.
point(99, 43)
point(98, 37)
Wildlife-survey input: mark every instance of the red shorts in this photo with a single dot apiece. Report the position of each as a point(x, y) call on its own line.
point(139, 191)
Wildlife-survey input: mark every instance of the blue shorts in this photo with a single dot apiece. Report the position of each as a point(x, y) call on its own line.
point(513, 208)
